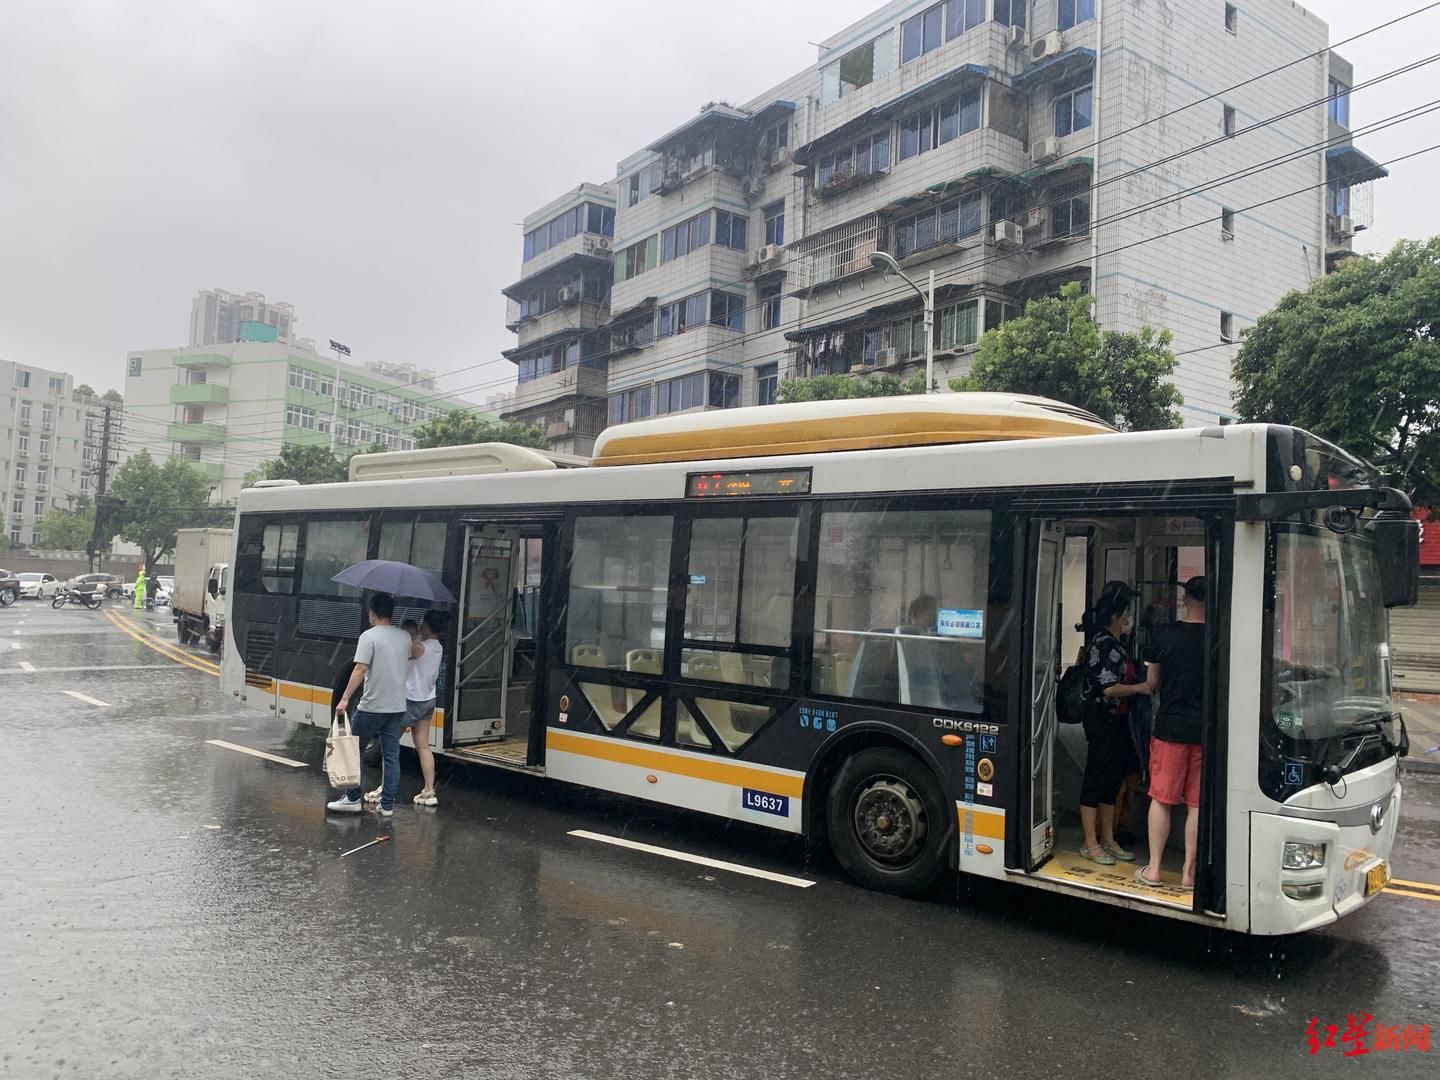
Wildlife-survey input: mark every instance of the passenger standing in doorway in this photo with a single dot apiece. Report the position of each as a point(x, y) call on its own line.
point(1178, 669)
point(421, 674)
point(382, 657)
point(1110, 681)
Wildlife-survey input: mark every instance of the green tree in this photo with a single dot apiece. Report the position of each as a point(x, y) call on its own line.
point(833, 387)
point(113, 396)
point(85, 390)
point(66, 530)
point(461, 427)
point(307, 464)
point(1355, 359)
point(157, 501)
point(1057, 350)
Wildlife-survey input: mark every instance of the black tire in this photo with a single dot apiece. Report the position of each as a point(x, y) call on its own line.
point(888, 822)
point(93, 601)
point(59, 600)
point(7, 597)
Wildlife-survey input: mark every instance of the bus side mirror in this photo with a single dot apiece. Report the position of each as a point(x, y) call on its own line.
point(1397, 547)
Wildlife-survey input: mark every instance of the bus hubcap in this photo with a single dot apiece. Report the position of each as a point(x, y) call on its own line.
point(889, 820)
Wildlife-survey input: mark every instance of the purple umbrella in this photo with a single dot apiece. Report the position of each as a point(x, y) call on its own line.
point(401, 579)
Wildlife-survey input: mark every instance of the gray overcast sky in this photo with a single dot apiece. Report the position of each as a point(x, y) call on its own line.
point(369, 161)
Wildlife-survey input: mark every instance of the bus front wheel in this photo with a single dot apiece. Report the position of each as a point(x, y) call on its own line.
point(887, 822)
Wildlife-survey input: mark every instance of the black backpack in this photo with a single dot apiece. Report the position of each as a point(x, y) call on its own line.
point(1070, 693)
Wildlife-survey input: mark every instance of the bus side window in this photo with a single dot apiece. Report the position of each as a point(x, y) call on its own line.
point(900, 606)
point(619, 583)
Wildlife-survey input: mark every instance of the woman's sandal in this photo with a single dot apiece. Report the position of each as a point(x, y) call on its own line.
point(1097, 855)
point(1143, 880)
point(1115, 851)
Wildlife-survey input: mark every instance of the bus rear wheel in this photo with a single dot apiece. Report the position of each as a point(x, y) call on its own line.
point(887, 822)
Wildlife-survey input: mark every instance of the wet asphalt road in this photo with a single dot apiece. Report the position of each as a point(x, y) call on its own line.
point(170, 908)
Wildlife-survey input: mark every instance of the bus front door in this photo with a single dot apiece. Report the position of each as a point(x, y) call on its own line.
point(1045, 634)
point(486, 634)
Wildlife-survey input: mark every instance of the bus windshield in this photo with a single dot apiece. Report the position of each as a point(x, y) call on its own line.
point(1330, 668)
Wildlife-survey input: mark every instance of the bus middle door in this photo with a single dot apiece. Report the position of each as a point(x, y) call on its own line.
point(486, 640)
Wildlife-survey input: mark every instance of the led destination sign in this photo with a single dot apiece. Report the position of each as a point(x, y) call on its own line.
point(725, 485)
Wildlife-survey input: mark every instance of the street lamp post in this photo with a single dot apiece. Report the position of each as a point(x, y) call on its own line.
point(886, 264)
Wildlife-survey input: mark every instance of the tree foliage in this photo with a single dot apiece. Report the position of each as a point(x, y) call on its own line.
point(113, 396)
point(307, 464)
point(833, 387)
point(158, 500)
point(1355, 359)
point(65, 530)
point(1057, 350)
point(460, 427)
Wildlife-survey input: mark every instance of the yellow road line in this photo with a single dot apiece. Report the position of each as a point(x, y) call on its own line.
point(1415, 884)
point(162, 647)
point(1432, 897)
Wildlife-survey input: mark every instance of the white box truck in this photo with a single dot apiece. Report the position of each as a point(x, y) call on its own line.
point(202, 578)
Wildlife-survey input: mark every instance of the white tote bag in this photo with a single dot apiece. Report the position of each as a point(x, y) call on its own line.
point(342, 754)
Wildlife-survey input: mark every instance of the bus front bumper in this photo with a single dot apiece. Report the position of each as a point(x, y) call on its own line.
point(1285, 899)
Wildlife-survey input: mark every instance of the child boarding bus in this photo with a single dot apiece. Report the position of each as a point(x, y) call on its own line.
point(847, 619)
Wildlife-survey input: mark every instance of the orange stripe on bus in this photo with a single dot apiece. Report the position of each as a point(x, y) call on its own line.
point(696, 767)
point(983, 823)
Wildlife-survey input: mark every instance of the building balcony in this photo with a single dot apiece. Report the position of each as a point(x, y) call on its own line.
point(213, 471)
point(201, 360)
point(580, 316)
point(583, 244)
point(199, 394)
point(582, 382)
point(195, 433)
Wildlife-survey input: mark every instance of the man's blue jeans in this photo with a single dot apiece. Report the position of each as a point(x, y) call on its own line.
point(387, 726)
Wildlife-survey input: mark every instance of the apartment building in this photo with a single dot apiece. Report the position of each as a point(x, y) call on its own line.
point(49, 446)
point(216, 315)
point(1009, 146)
point(229, 407)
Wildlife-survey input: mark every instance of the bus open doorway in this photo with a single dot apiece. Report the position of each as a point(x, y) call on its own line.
point(1070, 562)
point(499, 646)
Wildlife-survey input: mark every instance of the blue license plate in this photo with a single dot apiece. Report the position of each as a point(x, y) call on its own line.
point(763, 801)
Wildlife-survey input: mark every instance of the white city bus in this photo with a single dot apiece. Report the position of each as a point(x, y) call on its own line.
point(847, 619)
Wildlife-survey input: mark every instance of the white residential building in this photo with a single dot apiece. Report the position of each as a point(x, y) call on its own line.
point(216, 315)
point(228, 408)
point(49, 445)
point(1009, 146)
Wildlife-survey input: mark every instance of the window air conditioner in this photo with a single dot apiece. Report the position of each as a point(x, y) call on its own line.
point(778, 157)
point(1345, 225)
point(769, 253)
point(1009, 234)
point(1045, 150)
point(1043, 48)
point(1017, 35)
point(884, 357)
point(1035, 217)
point(569, 295)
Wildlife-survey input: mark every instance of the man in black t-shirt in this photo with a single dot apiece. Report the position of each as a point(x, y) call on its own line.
point(1177, 669)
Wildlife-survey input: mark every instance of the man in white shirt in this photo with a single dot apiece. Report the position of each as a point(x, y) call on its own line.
point(424, 670)
point(382, 657)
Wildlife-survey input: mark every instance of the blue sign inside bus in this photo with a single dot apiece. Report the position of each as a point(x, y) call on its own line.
point(961, 623)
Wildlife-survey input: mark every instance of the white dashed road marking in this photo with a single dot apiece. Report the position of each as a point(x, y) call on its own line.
point(88, 699)
point(699, 860)
point(25, 665)
point(256, 753)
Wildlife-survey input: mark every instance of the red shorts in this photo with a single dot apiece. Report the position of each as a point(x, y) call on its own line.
point(1174, 773)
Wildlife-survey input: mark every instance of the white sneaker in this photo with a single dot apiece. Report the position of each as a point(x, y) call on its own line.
point(374, 796)
point(426, 798)
point(383, 812)
point(345, 805)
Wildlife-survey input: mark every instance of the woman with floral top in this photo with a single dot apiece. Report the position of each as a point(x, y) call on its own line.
point(1111, 679)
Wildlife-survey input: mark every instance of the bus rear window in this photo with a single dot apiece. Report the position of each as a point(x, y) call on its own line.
point(900, 607)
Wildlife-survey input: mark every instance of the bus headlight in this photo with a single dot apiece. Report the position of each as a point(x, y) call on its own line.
point(1300, 856)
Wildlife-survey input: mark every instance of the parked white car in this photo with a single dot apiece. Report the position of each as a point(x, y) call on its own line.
point(38, 586)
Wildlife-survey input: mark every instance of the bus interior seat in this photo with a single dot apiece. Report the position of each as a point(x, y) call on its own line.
point(707, 667)
point(687, 731)
point(601, 698)
point(876, 672)
point(643, 662)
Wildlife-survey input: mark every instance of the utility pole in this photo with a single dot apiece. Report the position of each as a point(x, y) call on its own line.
point(102, 501)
